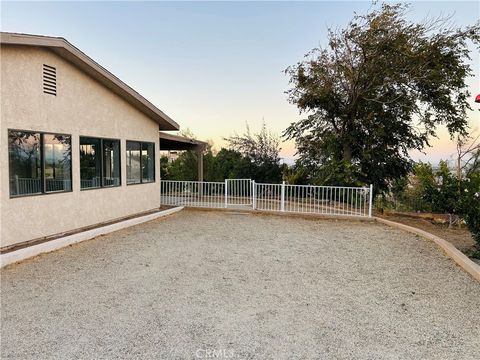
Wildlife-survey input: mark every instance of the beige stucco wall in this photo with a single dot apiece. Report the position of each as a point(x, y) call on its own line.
point(82, 107)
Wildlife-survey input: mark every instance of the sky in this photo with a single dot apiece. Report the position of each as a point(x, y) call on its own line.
point(216, 66)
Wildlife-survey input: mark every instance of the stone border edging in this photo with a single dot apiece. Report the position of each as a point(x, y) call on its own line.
point(460, 258)
point(49, 246)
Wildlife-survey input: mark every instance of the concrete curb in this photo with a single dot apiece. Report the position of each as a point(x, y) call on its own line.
point(49, 246)
point(460, 258)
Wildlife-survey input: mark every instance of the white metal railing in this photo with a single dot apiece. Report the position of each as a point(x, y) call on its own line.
point(238, 192)
point(111, 181)
point(90, 183)
point(97, 182)
point(192, 193)
point(58, 185)
point(25, 186)
point(328, 200)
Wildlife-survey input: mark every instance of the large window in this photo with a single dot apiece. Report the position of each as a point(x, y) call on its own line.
point(39, 162)
point(140, 162)
point(99, 162)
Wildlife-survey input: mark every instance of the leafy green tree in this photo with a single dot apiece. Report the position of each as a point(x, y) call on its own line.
point(379, 90)
point(470, 193)
point(164, 168)
point(470, 203)
point(184, 167)
point(295, 175)
point(231, 164)
point(442, 193)
point(262, 151)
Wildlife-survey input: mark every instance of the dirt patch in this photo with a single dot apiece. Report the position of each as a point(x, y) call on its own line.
point(461, 238)
point(244, 286)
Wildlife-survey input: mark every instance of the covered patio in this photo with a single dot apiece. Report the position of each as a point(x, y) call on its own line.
point(169, 142)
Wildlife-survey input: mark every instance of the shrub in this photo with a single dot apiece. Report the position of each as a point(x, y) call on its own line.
point(470, 204)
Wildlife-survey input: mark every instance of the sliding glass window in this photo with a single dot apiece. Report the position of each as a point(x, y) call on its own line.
point(140, 162)
point(39, 163)
point(90, 162)
point(133, 162)
point(57, 162)
point(111, 162)
point(148, 162)
point(99, 162)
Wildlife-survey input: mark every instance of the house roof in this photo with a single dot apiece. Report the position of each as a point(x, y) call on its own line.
point(64, 49)
point(175, 142)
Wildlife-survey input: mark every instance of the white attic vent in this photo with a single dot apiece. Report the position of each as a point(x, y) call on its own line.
point(49, 80)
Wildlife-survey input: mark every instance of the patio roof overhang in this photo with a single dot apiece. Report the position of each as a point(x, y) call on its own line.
point(175, 142)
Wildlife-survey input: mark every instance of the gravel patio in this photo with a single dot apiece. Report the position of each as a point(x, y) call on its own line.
point(242, 286)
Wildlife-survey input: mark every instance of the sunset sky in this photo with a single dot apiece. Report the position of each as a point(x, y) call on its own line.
point(215, 66)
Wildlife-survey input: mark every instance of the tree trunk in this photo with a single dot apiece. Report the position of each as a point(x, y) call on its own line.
point(347, 153)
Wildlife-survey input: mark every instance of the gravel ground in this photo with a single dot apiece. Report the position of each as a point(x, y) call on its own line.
point(239, 286)
point(461, 238)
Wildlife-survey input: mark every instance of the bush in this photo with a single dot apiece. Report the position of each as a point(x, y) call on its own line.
point(438, 191)
point(470, 204)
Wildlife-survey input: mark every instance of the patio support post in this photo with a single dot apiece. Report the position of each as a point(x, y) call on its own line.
point(17, 188)
point(226, 193)
point(200, 171)
point(200, 164)
point(254, 194)
point(370, 201)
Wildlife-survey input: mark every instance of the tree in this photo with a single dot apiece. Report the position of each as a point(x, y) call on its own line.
point(262, 151)
point(470, 203)
point(468, 151)
point(231, 164)
point(379, 90)
point(184, 167)
point(443, 193)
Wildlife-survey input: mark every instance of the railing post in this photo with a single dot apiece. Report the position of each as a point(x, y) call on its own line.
point(16, 185)
point(370, 201)
point(226, 193)
point(282, 203)
point(254, 194)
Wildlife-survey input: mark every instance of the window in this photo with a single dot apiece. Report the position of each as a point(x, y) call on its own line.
point(140, 162)
point(133, 162)
point(99, 162)
point(148, 162)
point(90, 162)
point(111, 162)
point(57, 162)
point(39, 162)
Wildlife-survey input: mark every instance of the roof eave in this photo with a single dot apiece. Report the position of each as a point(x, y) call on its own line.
point(183, 142)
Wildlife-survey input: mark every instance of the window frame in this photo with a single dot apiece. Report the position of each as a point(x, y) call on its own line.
point(42, 163)
point(141, 169)
point(102, 186)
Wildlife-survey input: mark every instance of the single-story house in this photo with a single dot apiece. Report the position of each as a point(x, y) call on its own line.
point(78, 147)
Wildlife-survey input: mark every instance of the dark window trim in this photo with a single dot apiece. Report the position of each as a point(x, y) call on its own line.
point(154, 160)
point(102, 186)
point(42, 163)
point(119, 163)
point(141, 168)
